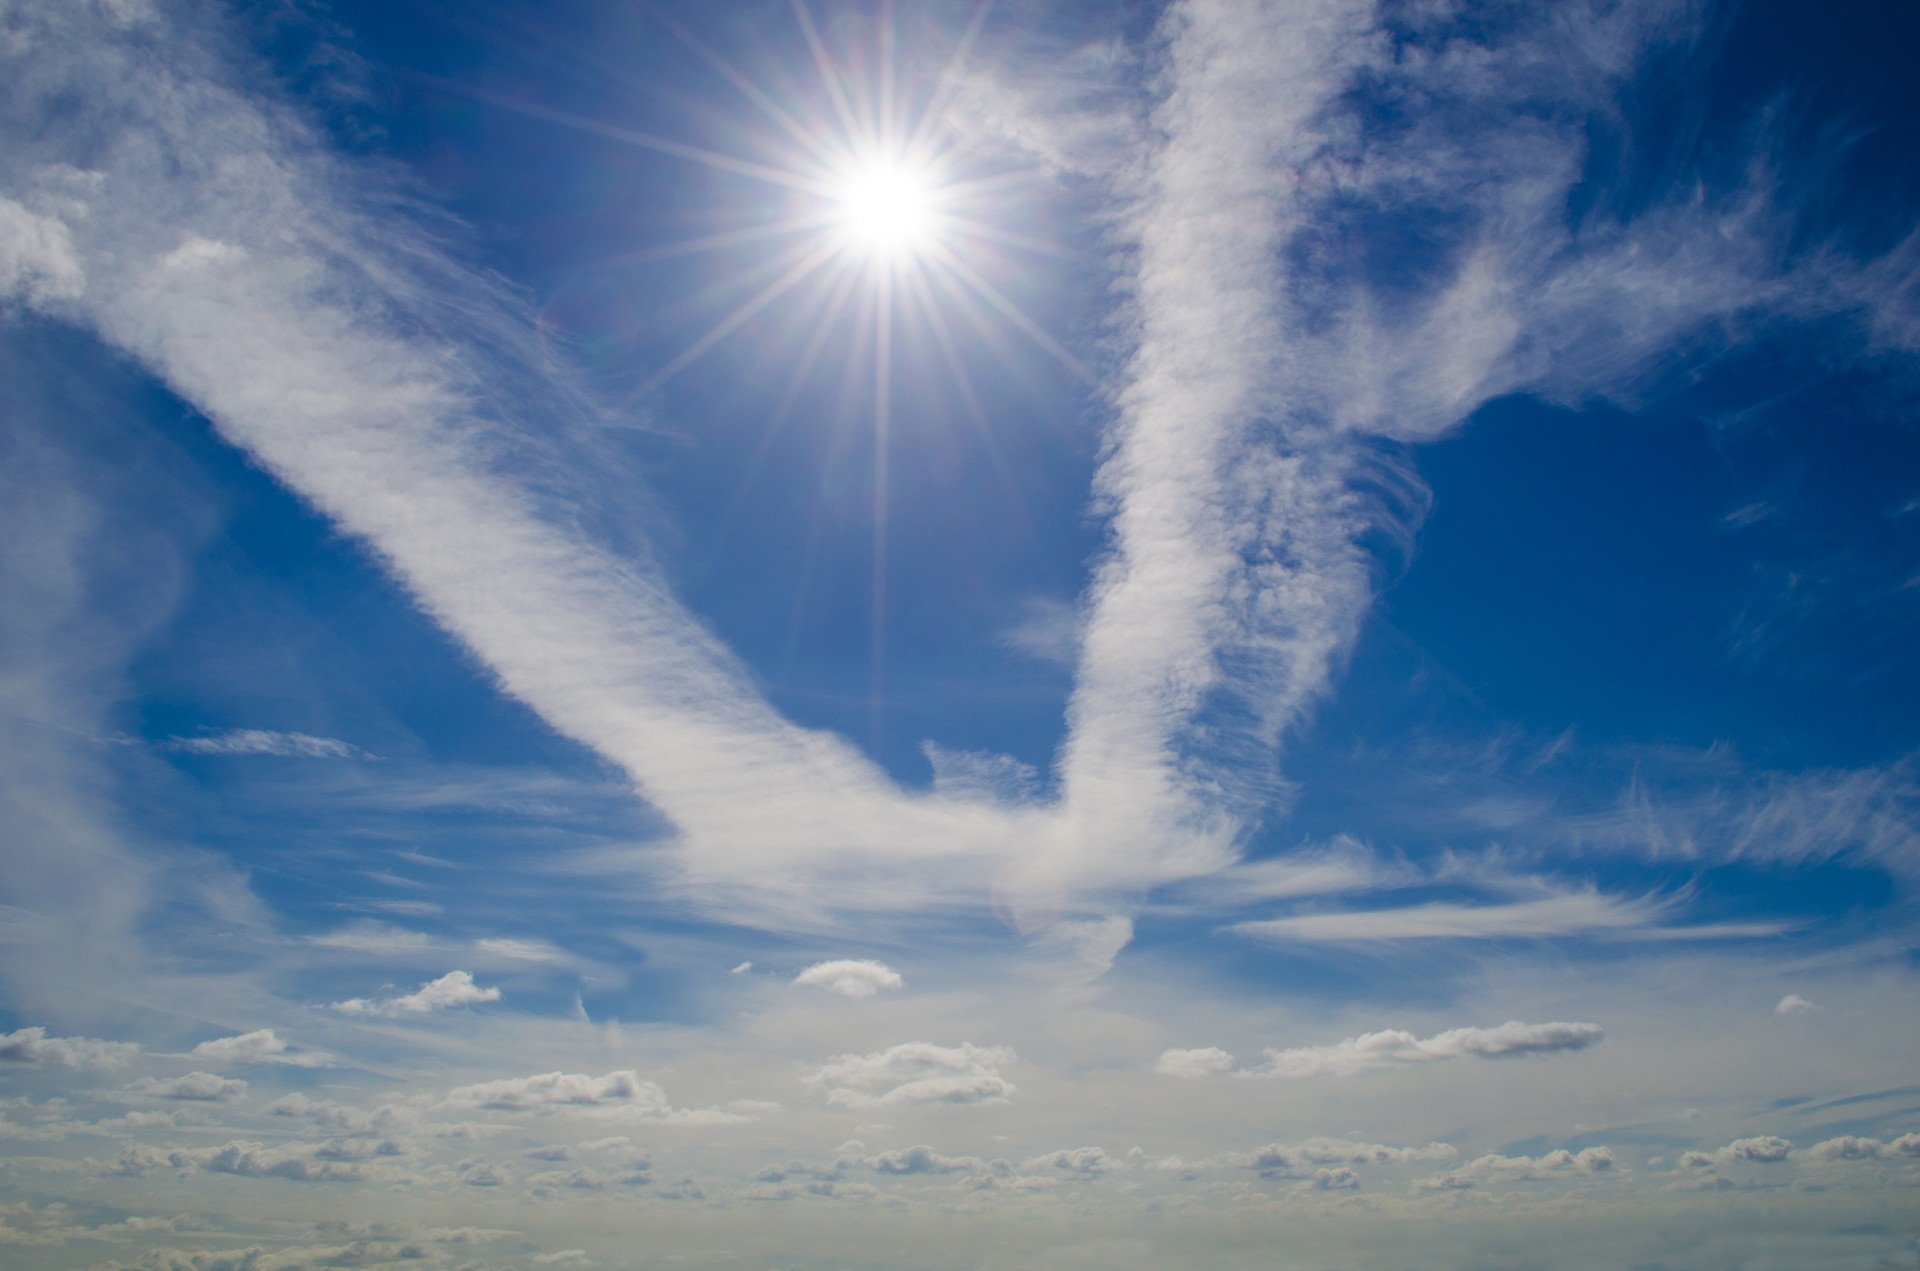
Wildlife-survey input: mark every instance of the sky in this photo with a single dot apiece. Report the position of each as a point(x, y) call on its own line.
point(832, 634)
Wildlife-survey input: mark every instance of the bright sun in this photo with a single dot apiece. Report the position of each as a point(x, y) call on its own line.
point(886, 207)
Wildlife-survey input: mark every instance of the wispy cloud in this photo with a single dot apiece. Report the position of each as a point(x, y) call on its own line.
point(260, 741)
point(1569, 914)
point(287, 295)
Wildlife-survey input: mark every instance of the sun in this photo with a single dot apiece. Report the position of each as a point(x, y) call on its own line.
point(886, 207)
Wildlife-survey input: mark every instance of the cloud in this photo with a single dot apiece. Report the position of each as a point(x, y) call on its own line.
point(1569, 914)
point(259, 741)
point(1207, 1061)
point(850, 977)
point(741, 969)
point(1394, 1048)
point(455, 988)
point(562, 1089)
point(621, 1093)
point(262, 1046)
point(34, 1046)
point(335, 1116)
point(921, 1159)
point(37, 263)
point(916, 1072)
point(1794, 1004)
point(1494, 1167)
point(1763, 1149)
point(1088, 1162)
point(1849, 1147)
point(197, 1087)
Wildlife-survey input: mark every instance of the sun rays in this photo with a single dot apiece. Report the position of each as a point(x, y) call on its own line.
point(877, 224)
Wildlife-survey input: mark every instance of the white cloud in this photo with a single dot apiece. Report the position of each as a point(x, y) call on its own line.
point(1566, 914)
point(1558, 1164)
point(1088, 1162)
point(1765, 1149)
point(622, 1093)
point(921, 1159)
point(916, 1072)
point(1392, 1048)
point(260, 741)
point(850, 977)
point(1207, 1061)
point(34, 1046)
point(563, 1089)
point(455, 988)
point(198, 1087)
point(1794, 1004)
point(741, 969)
point(37, 263)
point(262, 1046)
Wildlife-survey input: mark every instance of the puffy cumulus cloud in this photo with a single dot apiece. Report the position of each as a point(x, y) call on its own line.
point(550, 1183)
point(334, 1116)
point(34, 1046)
point(850, 977)
point(1393, 1047)
point(1764, 1149)
point(921, 1159)
point(261, 1046)
point(621, 1093)
point(1299, 1160)
point(915, 1072)
point(196, 1087)
point(1794, 1004)
point(1558, 1164)
point(1087, 1162)
point(455, 988)
point(1206, 1061)
point(1338, 1179)
point(336, 1161)
point(1849, 1147)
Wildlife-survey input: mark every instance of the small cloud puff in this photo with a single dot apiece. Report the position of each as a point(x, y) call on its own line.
point(742, 969)
point(850, 977)
point(1207, 1061)
point(455, 988)
point(1794, 1004)
point(916, 1072)
point(34, 1046)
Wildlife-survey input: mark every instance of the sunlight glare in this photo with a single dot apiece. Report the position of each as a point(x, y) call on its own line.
point(887, 207)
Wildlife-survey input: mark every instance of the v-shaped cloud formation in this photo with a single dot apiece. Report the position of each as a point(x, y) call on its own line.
point(211, 237)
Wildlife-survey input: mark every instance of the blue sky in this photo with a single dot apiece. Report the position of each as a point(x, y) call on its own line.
point(813, 634)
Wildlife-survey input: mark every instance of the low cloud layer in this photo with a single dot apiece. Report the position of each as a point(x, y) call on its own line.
point(1389, 1048)
point(916, 1072)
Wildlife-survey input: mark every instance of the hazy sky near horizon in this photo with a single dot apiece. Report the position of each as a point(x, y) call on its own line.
point(777, 635)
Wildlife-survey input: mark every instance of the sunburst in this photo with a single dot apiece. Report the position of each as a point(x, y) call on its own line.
point(874, 219)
